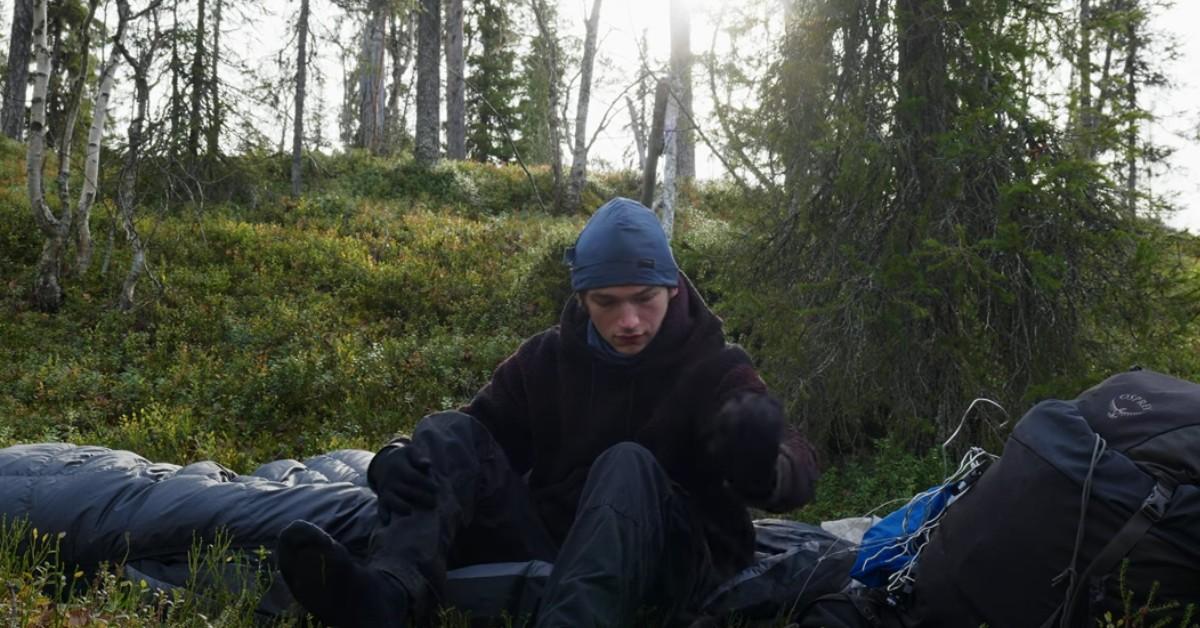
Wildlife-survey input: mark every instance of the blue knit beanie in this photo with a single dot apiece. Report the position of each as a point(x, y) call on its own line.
point(622, 244)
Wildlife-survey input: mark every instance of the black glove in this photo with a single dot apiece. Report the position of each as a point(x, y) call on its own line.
point(400, 474)
point(745, 442)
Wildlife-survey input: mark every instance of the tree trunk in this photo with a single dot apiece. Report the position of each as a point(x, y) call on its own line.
point(547, 31)
point(681, 67)
point(1131, 132)
point(72, 102)
point(579, 154)
point(301, 81)
point(212, 133)
point(1083, 62)
point(126, 200)
point(400, 47)
point(125, 195)
point(47, 291)
point(371, 102)
point(456, 110)
point(924, 102)
point(658, 122)
point(91, 166)
point(176, 107)
point(670, 142)
point(639, 133)
point(197, 79)
point(429, 71)
point(16, 83)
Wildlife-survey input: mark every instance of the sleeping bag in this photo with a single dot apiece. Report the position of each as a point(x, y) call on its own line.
point(117, 507)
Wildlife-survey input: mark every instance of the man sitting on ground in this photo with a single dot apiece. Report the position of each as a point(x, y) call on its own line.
point(623, 445)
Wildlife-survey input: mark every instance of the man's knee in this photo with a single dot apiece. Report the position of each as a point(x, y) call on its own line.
point(453, 436)
point(626, 454)
point(450, 423)
point(628, 464)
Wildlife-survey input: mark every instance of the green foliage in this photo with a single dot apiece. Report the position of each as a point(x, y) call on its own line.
point(937, 235)
point(224, 587)
point(334, 320)
point(493, 83)
point(877, 483)
point(1142, 609)
point(534, 118)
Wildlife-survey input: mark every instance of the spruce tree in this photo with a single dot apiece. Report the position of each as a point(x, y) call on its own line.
point(492, 83)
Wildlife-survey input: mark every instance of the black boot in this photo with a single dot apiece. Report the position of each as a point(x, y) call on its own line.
point(334, 586)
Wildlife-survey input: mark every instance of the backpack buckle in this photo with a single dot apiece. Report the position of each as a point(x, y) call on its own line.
point(1157, 502)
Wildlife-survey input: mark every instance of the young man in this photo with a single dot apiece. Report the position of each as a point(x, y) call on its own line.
point(623, 445)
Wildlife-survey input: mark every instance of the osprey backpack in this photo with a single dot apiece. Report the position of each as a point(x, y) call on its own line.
point(1093, 508)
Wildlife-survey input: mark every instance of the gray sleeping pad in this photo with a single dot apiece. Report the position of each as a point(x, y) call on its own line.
point(115, 506)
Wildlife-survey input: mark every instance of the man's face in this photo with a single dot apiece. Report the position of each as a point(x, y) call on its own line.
point(628, 317)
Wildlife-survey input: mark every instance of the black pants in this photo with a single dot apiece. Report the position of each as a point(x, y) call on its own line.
point(634, 546)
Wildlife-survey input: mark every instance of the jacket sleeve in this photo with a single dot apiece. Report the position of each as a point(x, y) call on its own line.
point(796, 470)
point(502, 406)
point(795, 474)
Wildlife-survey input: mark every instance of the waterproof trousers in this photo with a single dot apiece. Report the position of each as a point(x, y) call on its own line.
point(634, 547)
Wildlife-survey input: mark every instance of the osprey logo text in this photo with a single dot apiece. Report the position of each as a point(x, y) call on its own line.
point(1127, 405)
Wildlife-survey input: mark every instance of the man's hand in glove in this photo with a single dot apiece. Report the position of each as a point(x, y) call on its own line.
point(745, 442)
point(400, 474)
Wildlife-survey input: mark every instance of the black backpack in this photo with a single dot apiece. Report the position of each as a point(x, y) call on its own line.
point(1093, 499)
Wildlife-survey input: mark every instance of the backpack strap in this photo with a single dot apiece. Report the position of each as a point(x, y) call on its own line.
point(1150, 513)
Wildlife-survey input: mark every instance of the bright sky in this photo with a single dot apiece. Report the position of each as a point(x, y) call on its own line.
point(1178, 111)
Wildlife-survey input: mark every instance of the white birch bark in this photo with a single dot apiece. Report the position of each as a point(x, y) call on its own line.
point(47, 291)
point(91, 164)
point(400, 48)
point(671, 140)
point(36, 150)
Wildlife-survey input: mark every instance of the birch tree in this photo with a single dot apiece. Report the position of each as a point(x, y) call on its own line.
point(429, 73)
point(48, 292)
point(579, 154)
point(16, 81)
point(83, 234)
point(400, 48)
point(456, 113)
point(140, 62)
point(671, 143)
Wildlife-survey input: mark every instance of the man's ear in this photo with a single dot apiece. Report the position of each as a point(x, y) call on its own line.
point(674, 291)
point(580, 298)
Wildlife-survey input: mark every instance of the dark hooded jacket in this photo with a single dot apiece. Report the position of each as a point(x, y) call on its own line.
point(554, 407)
